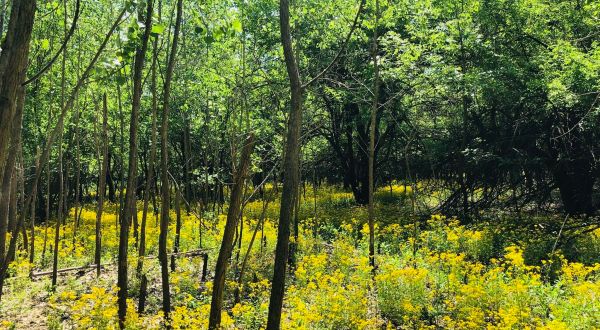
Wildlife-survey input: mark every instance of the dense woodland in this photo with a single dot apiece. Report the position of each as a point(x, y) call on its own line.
point(364, 164)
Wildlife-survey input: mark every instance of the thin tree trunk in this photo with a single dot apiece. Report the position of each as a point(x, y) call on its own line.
point(290, 171)
point(291, 159)
point(150, 177)
point(188, 166)
point(121, 182)
point(259, 224)
point(130, 194)
point(12, 212)
point(101, 186)
point(60, 219)
point(372, 130)
point(77, 176)
point(47, 222)
point(177, 226)
point(21, 182)
point(233, 216)
point(33, 205)
point(164, 218)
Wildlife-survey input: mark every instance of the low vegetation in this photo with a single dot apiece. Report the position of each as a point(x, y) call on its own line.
point(434, 273)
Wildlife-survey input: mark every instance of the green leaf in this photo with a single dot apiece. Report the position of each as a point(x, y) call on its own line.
point(236, 25)
point(157, 29)
point(45, 44)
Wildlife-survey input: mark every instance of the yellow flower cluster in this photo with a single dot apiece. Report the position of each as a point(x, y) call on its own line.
point(429, 275)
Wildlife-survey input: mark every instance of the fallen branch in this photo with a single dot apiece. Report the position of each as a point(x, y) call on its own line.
point(193, 253)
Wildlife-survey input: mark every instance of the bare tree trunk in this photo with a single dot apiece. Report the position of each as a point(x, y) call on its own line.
point(59, 219)
point(259, 224)
point(5, 195)
point(77, 176)
point(372, 131)
point(291, 159)
point(13, 67)
point(61, 200)
point(47, 222)
point(190, 194)
point(164, 218)
point(12, 212)
point(121, 182)
point(33, 205)
point(177, 226)
point(21, 183)
point(149, 181)
point(290, 168)
point(130, 194)
point(101, 186)
point(233, 216)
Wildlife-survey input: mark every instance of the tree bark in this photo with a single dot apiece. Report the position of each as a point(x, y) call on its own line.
point(372, 131)
point(164, 217)
point(290, 170)
point(101, 186)
point(233, 216)
point(130, 194)
point(61, 180)
point(150, 177)
point(13, 67)
point(33, 206)
point(177, 226)
point(259, 224)
point(291, 159)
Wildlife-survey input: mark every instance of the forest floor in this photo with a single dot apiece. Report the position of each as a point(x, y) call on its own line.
point(436, 273)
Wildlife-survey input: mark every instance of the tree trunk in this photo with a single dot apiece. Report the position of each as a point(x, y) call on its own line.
point(101, 186)
point(33, 206)
point(150, 177)
point(60, 219)
point(233, 216)
point(8, 179)
point(13, 67)
point(291, 159)
point(130, 194)
point(77, 176)
point(164, 218)
point(190, 194)
point(259, 224)
point(290, 170)
point(372, 131)
point(177, 226)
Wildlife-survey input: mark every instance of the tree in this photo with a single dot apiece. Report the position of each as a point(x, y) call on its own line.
point(101, 186)
point(372, 131)
point(130, 196)
point(234, 214)
point(291, 159)
point(165, 190)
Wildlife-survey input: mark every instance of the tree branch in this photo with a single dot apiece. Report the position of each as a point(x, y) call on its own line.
point(342, 48)
point(62, 47)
